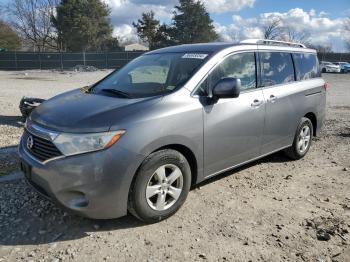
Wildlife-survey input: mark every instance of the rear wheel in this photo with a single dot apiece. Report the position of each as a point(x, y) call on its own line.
point(160, 187)
point(302, 140)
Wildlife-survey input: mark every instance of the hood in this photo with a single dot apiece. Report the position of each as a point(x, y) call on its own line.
point(76, 111)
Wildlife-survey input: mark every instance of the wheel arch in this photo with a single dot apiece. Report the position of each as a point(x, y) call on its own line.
point(190, 157)
point(313, 120)
point(185, 151)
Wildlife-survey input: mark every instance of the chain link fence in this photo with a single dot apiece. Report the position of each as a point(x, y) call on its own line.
point(106, 60)
point(51, 60)
point(334, 57)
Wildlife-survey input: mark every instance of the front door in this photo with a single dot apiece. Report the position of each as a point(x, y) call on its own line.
point(233, 126)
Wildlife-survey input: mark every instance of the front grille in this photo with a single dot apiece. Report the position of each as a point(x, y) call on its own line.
point(42, 149)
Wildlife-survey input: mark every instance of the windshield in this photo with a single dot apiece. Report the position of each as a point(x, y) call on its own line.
point(151, 75)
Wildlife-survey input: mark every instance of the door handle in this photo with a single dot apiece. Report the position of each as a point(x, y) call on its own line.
point(272, 98)
point(256, 103)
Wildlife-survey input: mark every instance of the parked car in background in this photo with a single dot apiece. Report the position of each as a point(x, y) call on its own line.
point(141, 137)
point(328, 67)
point(344, 66)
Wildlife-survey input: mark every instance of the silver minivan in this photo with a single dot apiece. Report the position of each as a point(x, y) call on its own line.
point(141, 137)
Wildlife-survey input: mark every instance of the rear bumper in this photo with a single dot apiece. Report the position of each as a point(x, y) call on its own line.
point(94, 185)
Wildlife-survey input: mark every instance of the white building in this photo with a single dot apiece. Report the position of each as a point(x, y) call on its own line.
point(136, 47)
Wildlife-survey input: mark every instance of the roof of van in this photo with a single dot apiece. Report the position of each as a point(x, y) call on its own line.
point(201, 47)
point(209, 47)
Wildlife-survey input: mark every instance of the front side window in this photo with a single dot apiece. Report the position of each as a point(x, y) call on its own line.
point(240, 66)
point(151, 75)
point(306, 66)
point(277, 68)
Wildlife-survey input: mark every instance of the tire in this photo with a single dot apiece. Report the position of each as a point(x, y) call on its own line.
point(300, 148)
point(324, 70)
point(167, 197)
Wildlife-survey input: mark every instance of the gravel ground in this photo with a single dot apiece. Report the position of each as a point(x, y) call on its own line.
point(271, 210)
point(42, 84)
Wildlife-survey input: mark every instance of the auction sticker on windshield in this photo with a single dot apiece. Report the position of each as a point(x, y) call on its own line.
point(195, 56)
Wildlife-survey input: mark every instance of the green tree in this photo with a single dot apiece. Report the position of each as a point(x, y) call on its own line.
point(9, 40)
point(111, 44)
point(82, 25)
point(151, 31)
point(192, 23)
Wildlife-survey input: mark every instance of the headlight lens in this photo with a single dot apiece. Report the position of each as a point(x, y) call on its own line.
point(72, 144)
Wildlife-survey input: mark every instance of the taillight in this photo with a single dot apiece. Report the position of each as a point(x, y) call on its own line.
point(326, 86)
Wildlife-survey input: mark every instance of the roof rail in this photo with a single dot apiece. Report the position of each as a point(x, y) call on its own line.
point(271, 42)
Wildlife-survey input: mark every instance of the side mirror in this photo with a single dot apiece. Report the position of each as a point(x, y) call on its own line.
point(227, 87)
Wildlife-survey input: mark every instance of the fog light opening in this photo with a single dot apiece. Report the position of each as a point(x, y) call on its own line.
point(76, 200)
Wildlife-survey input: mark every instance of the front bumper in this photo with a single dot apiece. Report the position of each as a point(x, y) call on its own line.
point(333, 70)
point(95, 185)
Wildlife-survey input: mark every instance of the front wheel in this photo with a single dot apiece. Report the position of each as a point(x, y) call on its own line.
point(160, 187)
point(302, 140)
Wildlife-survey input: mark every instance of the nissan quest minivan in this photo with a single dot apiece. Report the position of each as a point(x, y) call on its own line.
point(138, 139)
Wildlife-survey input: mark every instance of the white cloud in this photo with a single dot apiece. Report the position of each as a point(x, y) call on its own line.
point(127, 11)
point(321, 29)
point(125, 33)
point(223, 6)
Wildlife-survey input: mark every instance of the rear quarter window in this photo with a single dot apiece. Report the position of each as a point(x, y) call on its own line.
point(306, 66)
point(276, 68)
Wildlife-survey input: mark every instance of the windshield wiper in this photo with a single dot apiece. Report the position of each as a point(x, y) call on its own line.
point(116, 92)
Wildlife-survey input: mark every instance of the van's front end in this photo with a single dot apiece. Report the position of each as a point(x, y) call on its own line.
point(83, 170)
point(83, 148)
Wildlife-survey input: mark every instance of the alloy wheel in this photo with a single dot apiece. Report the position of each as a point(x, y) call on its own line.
point(304, 139)
point(164, 187)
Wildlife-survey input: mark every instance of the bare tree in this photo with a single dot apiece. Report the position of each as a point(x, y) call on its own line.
point(322, 49)
point(235, 37)
point(290, 34)
point(272, 29)
point(32, 19)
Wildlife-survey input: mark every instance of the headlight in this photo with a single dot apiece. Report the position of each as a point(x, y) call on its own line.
point(72, 144)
